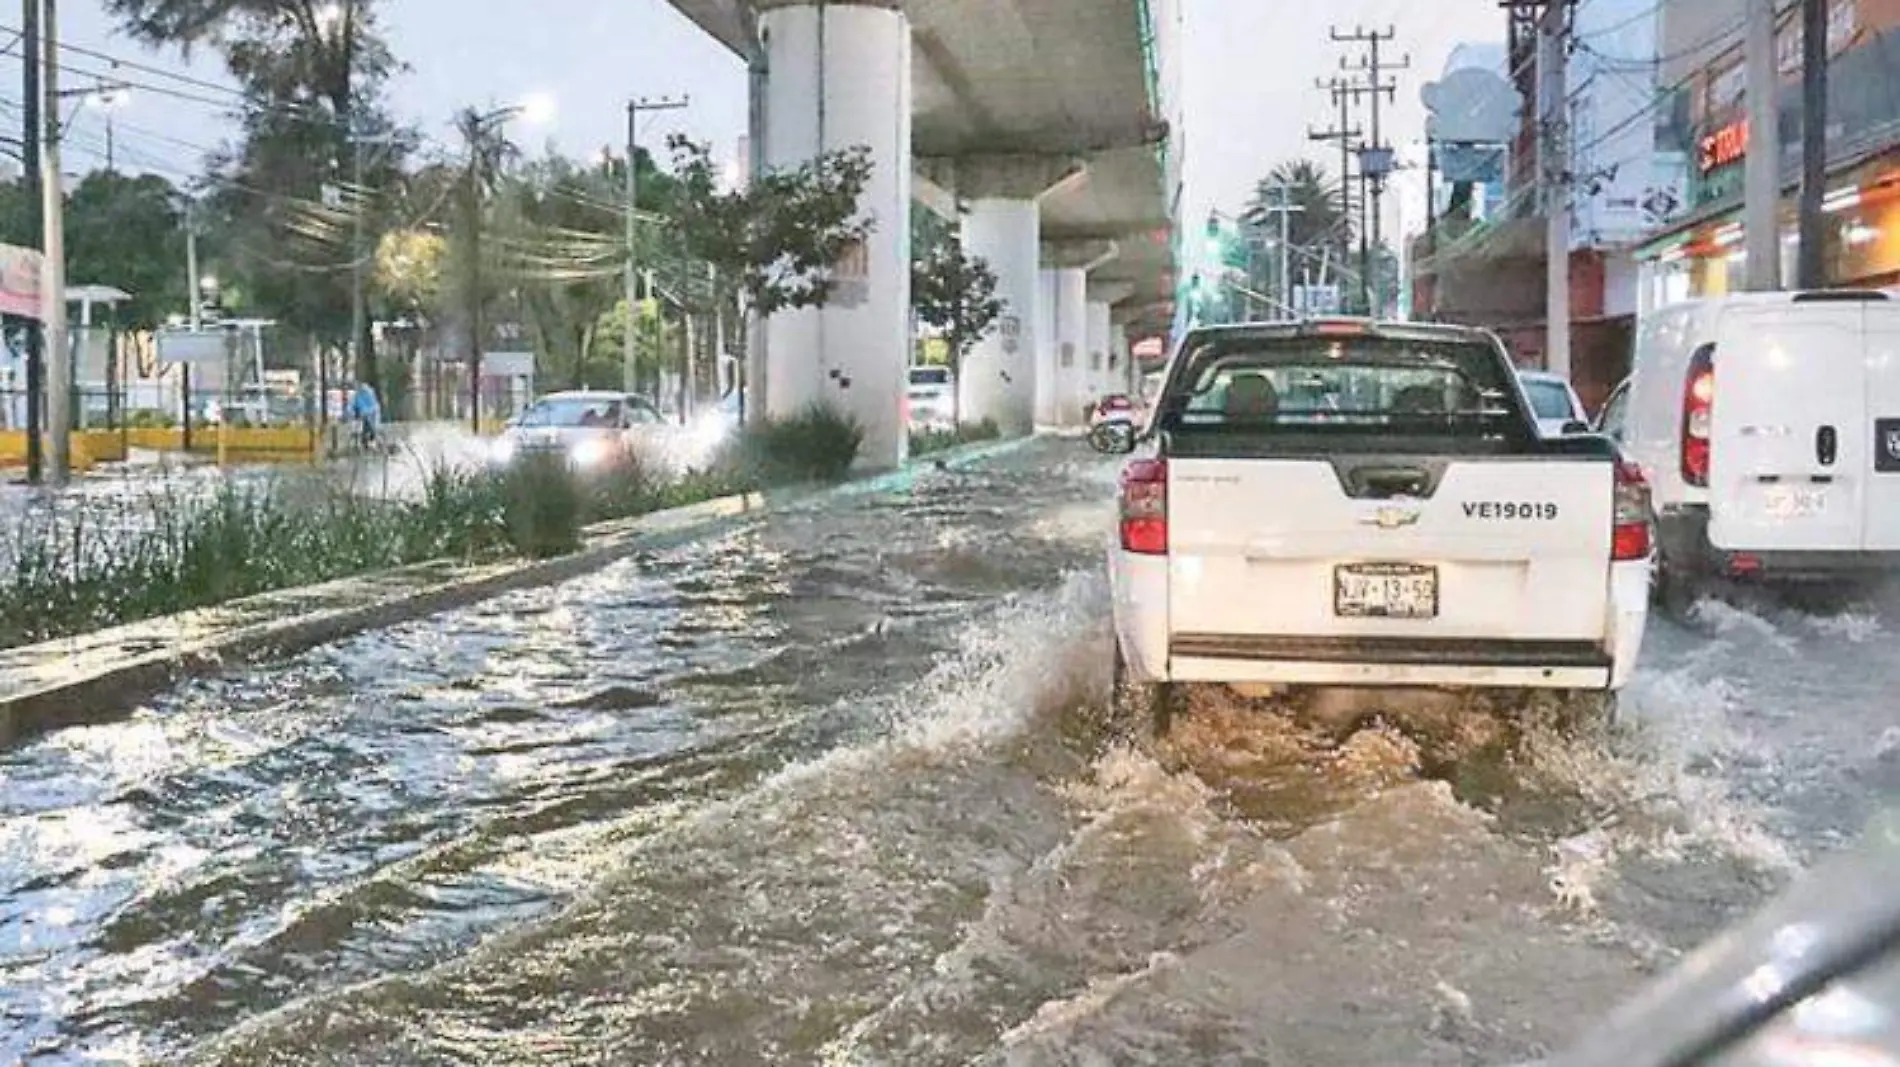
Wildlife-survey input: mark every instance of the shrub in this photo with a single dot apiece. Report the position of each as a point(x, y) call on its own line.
point(927, 442)
point(544, 505)
point(817, 445)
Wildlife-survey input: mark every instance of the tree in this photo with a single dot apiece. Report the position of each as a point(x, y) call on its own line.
point(282, 205)
point(956, 293)
point(128, 232)
point(565, 250)
point(489, 154)
point(1319, 228)
point(775, 245)
point(122, 231)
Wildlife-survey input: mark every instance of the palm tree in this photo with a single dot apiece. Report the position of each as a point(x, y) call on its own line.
point(1320, 229)
point(489, 155)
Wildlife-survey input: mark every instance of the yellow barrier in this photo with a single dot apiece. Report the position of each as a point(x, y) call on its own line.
point(156, 438)
point(13, 450)
point(257, 444)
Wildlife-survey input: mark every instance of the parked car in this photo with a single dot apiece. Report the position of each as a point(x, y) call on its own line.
point(1554, 403)
point(1403, 527)
point(590, 429)
point(1116, 408)
point(1768, 425)
point(931, 398)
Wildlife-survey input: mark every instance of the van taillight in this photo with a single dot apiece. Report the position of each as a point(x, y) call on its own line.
point(1698, 406)
point(1629, 536)
point(1144, 507)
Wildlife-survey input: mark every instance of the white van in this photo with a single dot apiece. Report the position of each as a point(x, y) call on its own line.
point(1768, 428)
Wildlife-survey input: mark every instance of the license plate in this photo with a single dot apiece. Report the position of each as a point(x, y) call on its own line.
point(1385, 591)
point(1794, 502)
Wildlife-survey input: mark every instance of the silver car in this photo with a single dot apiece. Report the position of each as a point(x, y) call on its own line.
point(591, 429)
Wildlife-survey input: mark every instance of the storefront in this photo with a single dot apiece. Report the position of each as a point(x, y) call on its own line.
point(1705, 256)
point(1701, 254)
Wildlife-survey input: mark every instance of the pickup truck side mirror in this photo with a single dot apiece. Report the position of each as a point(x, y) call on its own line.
point(1113, 438)
point(1575, 426)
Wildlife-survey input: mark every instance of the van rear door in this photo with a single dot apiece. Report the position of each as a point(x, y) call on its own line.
point(1882, 469)
point(1789, 462)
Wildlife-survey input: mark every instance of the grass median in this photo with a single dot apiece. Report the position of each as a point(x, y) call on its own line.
point(70, 571)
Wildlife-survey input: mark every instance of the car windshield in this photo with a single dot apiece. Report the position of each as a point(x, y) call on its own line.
point(571, 411)
point(1317, 385)
point(1550, 400)
point(930, 376)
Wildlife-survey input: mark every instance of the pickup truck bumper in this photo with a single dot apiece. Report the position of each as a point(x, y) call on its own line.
point(1154, 654)
point(1372, 661)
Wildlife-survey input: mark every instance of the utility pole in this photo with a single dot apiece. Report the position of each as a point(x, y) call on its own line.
point(195, 316)
point(473, 221)
point(1286, 210)
point(59, 399)
point(634, 110)
point(1376, 161)
point(1812, 268)
point(30, 157)
point(1762, 221)
point(1347, 135)
point(359, 301)
point(1554, 42)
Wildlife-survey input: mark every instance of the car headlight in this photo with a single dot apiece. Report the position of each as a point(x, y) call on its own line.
point(589, 453)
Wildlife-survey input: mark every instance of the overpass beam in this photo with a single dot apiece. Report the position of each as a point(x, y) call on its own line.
point(839, 75)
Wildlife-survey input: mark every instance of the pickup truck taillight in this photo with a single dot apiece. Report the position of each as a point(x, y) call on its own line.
point(1629, 538)
point(1144, 507)
point(1698, 406)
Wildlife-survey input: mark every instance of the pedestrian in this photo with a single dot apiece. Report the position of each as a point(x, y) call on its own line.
point(364, 406)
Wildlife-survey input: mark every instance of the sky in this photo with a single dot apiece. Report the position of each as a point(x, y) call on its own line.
point(1251, 67)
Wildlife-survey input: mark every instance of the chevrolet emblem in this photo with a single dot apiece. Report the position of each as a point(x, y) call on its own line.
point(1392, 518)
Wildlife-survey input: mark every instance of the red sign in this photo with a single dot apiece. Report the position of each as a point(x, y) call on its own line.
point(1723, 147)
point(20, 281)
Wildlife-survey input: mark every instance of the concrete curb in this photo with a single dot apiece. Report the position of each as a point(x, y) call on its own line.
point(97, 677)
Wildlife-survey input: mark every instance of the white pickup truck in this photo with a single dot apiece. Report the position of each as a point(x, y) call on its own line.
point(1361, 507)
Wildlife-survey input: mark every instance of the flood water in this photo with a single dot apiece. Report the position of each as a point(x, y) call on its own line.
point(837, 786)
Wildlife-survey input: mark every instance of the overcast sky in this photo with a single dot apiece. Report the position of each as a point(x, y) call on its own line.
point(1251, 67)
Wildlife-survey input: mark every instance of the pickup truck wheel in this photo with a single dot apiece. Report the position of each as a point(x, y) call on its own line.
point(1139, 704)
point(1676, 592)
point(1588, 712)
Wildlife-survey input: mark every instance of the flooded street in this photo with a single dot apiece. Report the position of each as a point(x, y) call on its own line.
point(835, 786)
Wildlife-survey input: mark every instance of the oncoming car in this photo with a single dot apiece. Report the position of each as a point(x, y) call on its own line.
point(592, 430)
point(1356, 508)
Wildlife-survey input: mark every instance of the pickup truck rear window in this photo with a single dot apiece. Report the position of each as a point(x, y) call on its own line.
point(1351, 387)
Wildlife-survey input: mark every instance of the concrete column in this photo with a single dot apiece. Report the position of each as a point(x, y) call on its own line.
point(999, 374)
point(1098, 381)
point(1047, 291)
point(1072, 343)
point(839, 76)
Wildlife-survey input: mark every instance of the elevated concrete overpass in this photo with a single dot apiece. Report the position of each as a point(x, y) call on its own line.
point(1043, 123)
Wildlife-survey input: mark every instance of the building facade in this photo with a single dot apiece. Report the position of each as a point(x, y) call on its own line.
point(1700, 253)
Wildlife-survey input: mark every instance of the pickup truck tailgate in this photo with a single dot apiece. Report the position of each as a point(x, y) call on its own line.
point(1489, 548)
